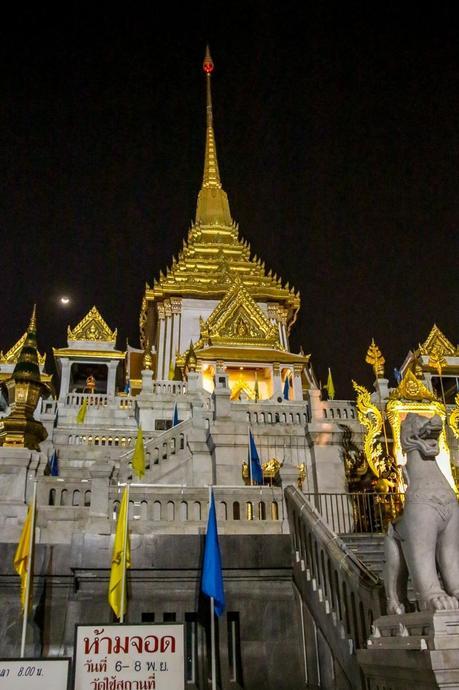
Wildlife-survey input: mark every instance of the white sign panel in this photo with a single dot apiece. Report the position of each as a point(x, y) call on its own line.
point(34, 674)
point(129, 657)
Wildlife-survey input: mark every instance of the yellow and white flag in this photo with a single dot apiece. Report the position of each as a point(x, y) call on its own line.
point(138, 459)
point(330, 386)
point(23, 556)
point(121, 560)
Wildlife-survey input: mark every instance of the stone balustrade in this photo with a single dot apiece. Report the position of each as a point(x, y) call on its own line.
point(176, 508)
point(169, 387)
point(54, 491)
point(288, 413)
point(339, 410)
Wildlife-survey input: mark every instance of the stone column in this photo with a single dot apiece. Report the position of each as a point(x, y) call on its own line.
point(277, 383)
point(99, 513)
point(168, 338)
point(160, 345)
point(297, 386)
point(147, 381)
point(111, 378)
point(65, 378)
point(176, 307)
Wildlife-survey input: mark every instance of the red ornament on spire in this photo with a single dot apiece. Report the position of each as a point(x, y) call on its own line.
point(208, 65)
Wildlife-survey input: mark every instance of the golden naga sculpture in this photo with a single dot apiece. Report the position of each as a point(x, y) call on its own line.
point(371, 418)
point(375, 358)
point(454, 418)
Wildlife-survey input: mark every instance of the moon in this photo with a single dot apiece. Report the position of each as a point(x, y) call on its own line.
point(64, 300)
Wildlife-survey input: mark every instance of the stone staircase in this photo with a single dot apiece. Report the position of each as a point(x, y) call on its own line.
point(369, 549)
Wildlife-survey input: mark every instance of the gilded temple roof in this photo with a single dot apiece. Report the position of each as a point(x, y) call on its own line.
point(12, 356)
point(437, 344)
point(213, 246)
point(92, 328)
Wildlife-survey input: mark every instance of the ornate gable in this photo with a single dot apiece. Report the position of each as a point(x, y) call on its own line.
point(238, 320)
point(92, 327)
point(12, 356)
point(437, 344)
point(411, 388)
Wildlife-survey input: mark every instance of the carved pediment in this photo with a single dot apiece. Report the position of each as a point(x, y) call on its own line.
point(238, 320)
point(411, 388)
point(437, 344)
point(93, 327)
point(11, 357)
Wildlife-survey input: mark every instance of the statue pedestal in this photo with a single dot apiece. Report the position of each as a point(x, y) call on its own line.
point(414, 650)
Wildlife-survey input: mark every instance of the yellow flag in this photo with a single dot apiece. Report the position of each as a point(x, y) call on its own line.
point(330, 387)
point(171, 375)
point(138, 459)
point(121, 560)
point(82, 411)
point(22, 555)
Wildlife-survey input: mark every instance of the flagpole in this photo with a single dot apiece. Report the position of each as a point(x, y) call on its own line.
point(29, 572)
point(125, 540)
point(212, 624)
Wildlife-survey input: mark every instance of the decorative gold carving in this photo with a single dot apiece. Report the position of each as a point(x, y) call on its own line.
point(371, 418)
point(411, 388)
point(12, 356)
point(437, 344)
point(147, 362)
point(238, 320)
point(375, 358)
point(92, 327)
point(143, 321)
point(270, 471)
point(301, 475)
point(454, 418)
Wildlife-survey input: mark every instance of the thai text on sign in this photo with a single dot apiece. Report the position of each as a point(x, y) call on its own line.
point(129, 657)
point(34, 674)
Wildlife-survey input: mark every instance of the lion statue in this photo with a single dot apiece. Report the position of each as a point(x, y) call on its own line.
point(425, 537)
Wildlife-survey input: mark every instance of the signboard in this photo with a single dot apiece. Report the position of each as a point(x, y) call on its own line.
point(129, 657)
point(34, 674)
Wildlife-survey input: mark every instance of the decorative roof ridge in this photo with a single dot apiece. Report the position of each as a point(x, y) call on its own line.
point(437, 343)
point(12, 355)
point(92, 327)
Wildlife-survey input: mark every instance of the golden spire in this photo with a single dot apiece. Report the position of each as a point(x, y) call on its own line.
point(213, 206)
point(33, 320)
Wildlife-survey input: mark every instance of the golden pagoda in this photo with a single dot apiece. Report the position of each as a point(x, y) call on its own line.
point(20, 429)
point(218, 296)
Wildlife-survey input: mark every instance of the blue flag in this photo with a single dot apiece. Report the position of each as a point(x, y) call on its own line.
point(53, 465)
point(286, 387)
point(175, 419)
point(212, 577)
point(256, 473)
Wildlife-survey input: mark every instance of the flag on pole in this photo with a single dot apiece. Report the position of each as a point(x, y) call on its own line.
point(138, 459)
point(330, 387)
point(397, 375)
point(52, 466)
point(212, 577)
point(256, 472)
point(256, 389)
point(23, 554)
point(171, 375)
point(81, 414)
point(175, 419)
point(121, 560)
point(287, 388)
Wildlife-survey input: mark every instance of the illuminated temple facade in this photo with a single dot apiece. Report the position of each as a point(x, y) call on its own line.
point(214, 346)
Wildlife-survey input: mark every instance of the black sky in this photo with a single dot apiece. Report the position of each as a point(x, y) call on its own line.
point(337, 131)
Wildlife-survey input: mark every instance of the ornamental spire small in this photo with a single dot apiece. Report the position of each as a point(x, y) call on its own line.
point(375, 358)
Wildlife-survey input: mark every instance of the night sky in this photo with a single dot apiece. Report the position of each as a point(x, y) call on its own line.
point(337, 130)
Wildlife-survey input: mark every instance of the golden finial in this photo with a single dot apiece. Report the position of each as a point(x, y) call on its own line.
point(33, 320)
point(375, 358)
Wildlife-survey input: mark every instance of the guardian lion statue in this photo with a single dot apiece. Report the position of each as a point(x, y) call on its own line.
point(426, 536)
